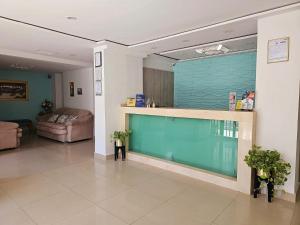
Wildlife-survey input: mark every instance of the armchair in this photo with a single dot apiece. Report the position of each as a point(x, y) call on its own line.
point(10, 135)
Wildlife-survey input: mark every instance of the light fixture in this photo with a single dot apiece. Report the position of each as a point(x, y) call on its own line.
point(200, 50)
point(213, 50)
point(21, 67)
point(71, 17)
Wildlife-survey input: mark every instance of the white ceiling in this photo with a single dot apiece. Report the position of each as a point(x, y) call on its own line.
point(131, 21)
point(128, 22)
point(236, 45)
point(49, 66)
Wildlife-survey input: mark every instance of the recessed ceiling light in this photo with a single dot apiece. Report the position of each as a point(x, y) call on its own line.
point(71, 17)
point(228, 31)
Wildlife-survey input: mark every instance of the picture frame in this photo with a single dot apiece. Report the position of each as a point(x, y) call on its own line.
point(72, 88)
point(98, 59)
point(14, 90)
point(98, 87)
point(278, 50)
point(98, 73)
point(79, 91)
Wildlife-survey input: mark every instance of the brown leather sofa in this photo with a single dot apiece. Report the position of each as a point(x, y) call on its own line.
point(10, 135)
point(79, 128)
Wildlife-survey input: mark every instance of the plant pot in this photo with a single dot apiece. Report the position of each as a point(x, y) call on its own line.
point(278, 193)
point(119, 143)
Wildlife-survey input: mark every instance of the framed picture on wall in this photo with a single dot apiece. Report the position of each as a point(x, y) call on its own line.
point(98, 87)
point(278, 50)
point(13, 90)
point(79, 91)
point(98, 59)
point(72, 89)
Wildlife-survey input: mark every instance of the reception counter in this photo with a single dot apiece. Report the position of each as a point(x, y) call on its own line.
point(205, 144)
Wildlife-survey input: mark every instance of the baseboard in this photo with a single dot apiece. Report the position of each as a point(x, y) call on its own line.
point(103, 157)
point(195, 173)
point(217, 179)
point(287, 197)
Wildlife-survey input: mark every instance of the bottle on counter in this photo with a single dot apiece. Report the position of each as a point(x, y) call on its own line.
point(153, 103)
point(148, 103)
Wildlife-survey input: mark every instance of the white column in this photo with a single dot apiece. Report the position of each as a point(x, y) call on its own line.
point(58, 90)
point(277, 86)
point(122, 77)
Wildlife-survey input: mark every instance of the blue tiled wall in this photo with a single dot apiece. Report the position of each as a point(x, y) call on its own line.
point(206, 83)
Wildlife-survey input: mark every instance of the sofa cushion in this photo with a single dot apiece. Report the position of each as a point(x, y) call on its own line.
point(57, 126)
point(53, 118)
point(52, 129)
point(62, 118)
point(71, 118)
point(74, 112)
point(8, 125)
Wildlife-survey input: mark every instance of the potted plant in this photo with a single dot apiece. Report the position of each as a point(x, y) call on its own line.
point(269, 168)
point(120, 137)
point(46, 106)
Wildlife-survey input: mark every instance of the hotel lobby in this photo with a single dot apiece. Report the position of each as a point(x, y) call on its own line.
point(123, 117)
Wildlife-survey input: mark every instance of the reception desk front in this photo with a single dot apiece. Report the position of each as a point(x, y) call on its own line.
point(204, 144)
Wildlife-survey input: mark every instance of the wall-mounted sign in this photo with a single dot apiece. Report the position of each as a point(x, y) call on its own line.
point(98, 87)
point(98, 73)
point(98, 59)
point(278, 50)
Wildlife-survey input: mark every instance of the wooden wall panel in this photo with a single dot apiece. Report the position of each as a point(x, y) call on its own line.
point(159, 85)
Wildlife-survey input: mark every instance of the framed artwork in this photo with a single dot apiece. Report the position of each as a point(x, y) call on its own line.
point(79, 91)
point(98, 73)
point(98, 87)
point(72, 89)
point(98, 59)
point(13, 90)
point(278, 50)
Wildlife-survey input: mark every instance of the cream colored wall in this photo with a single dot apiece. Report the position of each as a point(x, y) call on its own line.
point(159, 62)
point(82, 78)
point(277, 88)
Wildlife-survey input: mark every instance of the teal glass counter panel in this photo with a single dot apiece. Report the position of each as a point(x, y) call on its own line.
point(206, 144)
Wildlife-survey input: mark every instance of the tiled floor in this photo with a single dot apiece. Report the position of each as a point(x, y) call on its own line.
point(50, 183)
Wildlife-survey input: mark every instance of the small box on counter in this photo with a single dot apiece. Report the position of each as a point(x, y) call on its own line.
point(130, 102)
point(140, 100)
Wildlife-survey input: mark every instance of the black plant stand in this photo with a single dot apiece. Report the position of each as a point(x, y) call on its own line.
point(256, 189)
point(123, 150)
point(257, 182)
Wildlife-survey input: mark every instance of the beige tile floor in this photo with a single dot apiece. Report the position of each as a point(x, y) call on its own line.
point(50, 183)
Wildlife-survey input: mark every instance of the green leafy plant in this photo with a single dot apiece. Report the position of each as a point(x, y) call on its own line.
point(120, 135)
point(46, 106)
point(268, 164)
